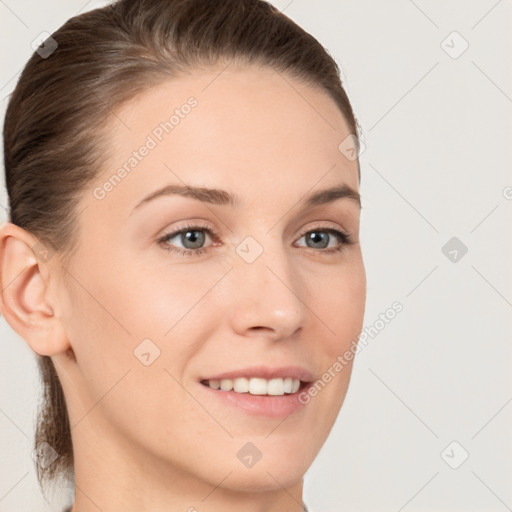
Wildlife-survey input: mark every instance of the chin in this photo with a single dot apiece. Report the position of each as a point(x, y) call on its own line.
point(264, 479)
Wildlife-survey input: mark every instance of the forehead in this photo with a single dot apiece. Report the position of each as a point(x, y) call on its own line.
point(251, 128)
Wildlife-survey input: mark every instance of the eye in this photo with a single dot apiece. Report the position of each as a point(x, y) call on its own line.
point(191, 236)
point(320, 238)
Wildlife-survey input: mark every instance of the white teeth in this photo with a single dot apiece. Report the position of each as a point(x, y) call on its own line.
point(241, 385)
point(226, 385)
point(215, 384)
point(275, 387)
point(256, 385)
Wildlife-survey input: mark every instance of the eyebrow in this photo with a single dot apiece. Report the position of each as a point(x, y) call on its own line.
point(222, 197)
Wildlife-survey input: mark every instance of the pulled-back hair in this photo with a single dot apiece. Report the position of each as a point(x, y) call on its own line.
point(54, 137)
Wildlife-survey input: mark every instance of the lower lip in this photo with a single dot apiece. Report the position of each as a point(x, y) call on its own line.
point(261, 405)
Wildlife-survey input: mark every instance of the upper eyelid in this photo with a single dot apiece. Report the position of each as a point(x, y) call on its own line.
point(324, 225)
point(164, 238)
point(212, 231)
point(198, 226)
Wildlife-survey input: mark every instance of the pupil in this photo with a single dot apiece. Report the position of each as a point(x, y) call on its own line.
point(315, 234)
point(193, 238)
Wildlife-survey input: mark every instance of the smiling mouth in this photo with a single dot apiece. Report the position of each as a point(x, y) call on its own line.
point(258, 386)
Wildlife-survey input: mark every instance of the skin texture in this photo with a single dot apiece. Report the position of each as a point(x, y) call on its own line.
point(149, 437)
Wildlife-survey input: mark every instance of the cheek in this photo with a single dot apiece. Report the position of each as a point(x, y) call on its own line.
point(110, 313)
point(340, 305)
point(337, 298)
point(117, 315)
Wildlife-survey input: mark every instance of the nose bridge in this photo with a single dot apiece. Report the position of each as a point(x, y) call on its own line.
point(266, 290)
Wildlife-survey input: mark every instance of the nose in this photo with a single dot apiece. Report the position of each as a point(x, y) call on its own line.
point(266, 296)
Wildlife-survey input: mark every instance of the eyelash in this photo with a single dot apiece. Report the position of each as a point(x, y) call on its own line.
point(345, 240)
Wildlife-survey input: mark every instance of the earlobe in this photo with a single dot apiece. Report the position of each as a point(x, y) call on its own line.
point(24, 295)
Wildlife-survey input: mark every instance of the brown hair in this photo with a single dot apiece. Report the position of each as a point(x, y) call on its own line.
point(53, 143)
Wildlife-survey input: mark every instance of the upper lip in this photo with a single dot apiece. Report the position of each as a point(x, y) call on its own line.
point(265, 372)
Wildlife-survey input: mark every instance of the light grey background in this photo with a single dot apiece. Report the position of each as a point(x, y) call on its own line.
point(437, 162)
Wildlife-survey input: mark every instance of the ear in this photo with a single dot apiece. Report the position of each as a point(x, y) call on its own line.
point(25, 299)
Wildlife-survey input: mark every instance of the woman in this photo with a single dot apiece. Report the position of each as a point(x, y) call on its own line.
point(182, 253)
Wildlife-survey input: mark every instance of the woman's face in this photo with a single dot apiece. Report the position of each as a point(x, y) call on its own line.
point(249, 284)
